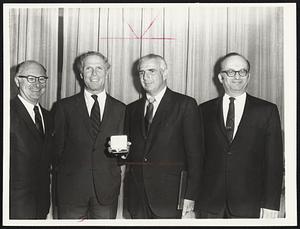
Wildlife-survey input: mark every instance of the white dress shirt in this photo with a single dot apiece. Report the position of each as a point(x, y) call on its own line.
point(89, 101)
point(29, 107)
point(157, 98)
point(239, 104)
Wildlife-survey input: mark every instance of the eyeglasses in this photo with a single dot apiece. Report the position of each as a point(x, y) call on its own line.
point(231, 73)
point(32, 79)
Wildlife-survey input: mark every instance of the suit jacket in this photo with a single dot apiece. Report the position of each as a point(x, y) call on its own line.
point(29, 164)
point(248, 172)
point(81, 162)
point(156, 160)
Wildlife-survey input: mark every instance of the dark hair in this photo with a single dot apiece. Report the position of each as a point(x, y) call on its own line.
point(21, 65)
point(163, 63)
point(232, 54)
point(82, 57)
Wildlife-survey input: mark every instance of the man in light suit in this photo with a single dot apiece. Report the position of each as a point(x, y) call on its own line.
point(30, 142)
point(243, 167)
point(88, 178)
point(164, 131)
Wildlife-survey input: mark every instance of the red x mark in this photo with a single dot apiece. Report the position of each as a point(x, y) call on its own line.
point(136, 37)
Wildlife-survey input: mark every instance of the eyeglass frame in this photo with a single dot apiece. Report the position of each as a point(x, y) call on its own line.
point(246, 74)
point(35, 78)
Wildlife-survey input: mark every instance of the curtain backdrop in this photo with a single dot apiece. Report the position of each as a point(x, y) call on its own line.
point(191, 39)
point(33, 36)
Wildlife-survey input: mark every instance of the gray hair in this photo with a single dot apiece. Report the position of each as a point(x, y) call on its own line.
point(82, 57)
point(20, 67)
point(163, 63)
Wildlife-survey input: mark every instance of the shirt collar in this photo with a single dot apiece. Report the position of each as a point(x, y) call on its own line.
point(159, 96)
point(27, 104)
point(101, 95)
point(237, 98)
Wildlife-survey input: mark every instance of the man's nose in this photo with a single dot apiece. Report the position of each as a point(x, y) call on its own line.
point(146, 75)
point(94, 72)
point(237, 75)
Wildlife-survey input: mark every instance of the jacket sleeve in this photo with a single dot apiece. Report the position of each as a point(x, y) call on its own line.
point(273, 167)
point(193, 144)
point(59, 134)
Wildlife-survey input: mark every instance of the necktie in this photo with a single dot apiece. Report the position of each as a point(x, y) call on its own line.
point(230, 120)
point(149, 113)
point(38, 120)
point(95, 116)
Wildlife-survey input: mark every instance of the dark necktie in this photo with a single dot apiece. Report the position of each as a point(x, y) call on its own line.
point(230, 120)
point(38, 120)
point(95, 116)
point(149, 114)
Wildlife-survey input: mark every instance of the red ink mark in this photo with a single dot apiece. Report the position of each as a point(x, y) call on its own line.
point(149, 26)
point(136, 37)
point(132, 31)
point(83, 218)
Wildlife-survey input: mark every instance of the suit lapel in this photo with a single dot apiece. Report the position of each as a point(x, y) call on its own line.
point(246, 118)
point(140, 116)
point(160, 116)
point(23, 113)
point(82, 110)
point(220, 118)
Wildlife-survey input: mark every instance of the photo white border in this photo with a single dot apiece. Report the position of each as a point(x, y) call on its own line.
point(290, 126)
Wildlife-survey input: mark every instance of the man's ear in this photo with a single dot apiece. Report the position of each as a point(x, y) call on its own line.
point(220, 77)
point(249, 75)
point(17, 81)
point(165, 74)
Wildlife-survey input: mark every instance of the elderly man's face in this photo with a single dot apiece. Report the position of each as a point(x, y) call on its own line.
point(235, 85)
point(94, 74)
point(152, 76)
point(31, 91)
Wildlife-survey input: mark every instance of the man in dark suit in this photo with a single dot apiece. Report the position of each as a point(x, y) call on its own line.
point(30, 134)
point(243, 167)
point(164, 131)
point(88, 178)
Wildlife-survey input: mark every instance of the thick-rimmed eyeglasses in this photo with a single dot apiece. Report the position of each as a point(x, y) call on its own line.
point(232, 73)
point(32, 79)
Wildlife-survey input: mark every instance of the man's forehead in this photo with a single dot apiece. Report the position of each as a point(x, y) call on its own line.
point(32, 68)
point(93, 59)
point(234, 62)
point(149, 63)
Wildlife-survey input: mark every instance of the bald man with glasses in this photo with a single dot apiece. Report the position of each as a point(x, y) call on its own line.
point(243, 161)
point(30, 142)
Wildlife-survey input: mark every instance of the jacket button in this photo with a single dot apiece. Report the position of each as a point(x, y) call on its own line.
point(229, 153)
point(145, 159)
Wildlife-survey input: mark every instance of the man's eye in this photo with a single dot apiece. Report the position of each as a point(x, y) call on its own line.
point(88, 68)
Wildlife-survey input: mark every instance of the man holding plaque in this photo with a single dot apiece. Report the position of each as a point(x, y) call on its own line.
point(164, 130)
point(88, 177)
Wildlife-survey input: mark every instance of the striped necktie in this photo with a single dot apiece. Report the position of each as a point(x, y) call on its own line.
point(149, 113)
point(95, 116)
point(230, 120)
point(38, 120)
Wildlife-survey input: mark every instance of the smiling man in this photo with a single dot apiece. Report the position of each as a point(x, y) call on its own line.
point(243, 166)
point(30, 142)
point(165, 133)
point(88, 179)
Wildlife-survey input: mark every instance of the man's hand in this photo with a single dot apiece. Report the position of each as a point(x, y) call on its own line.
point(188, 209)
point(268, 213)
